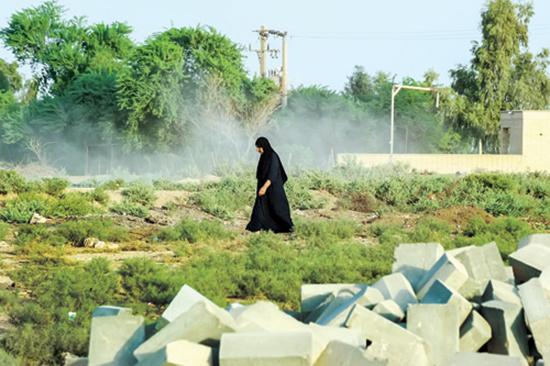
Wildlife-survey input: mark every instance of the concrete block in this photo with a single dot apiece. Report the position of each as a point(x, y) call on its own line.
point(388, 340)
point(314, 294)
point(390, 310)
point(182, 302)
point(536, 305)
point(113, 339)
point(328, 334)
point(539, 239)
point(482, 263)
point(338, 310)
point(265, 316)
point(267, 349)
point(439, 326)
point(414, 260)
point(510, 279)
point(342, 354)
point(439, 293)
point(545, 279)
point(502, 291)
point(529, 261)
point(484, 359)
point(180, 353)
point(508, 328)
point(202, 323)
point(474, 333)
point(397, 288)
point(448, 270)
point(107, 310)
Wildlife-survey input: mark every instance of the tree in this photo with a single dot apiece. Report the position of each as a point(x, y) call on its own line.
point(502, 75)
point(60, 50)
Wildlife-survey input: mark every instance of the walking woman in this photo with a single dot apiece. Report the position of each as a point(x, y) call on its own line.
point(271, 210)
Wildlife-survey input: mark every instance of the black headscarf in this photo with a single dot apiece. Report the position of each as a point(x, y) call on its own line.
point(265, 158)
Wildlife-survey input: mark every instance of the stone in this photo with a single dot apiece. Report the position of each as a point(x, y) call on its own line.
point(342, 354)
point(314, 294)
point(37, 219)
point(474, 333)
point(448, 270)
point(484, 359)
point(509, 335)
point(72, 360)
point(397, 288)
point(439, 326)
point(482, 264)
point(539, 239)
point(502, 291)
point(180, 353)
point(267, 349)
point(529, 261)
point(182, 302)
point(202, 323)
point(114, 338)
point(439, 293)
point(415, 260)
point(536, 305)
point(390, 310)
point(388, 340)
point(108, 310)
point(6, 283)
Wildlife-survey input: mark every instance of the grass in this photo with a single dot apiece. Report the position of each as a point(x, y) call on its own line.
point(226, 264)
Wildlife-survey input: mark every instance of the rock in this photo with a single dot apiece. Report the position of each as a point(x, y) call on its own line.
point(267, 349)
point(539, 239)
point(484, 359)
point(184, 300)
point(502, 291)
point(397, 288)
point(158, 218)
point(415, 260)
point(390, 310)
point(38, 219)
point(72, 360)
point(107, 310)
point(509, 335)
point(6, 283)
point(315, 294)
point(529, 261)
point(342, 354)
point(448, 270)
point(536, 305)
point(202, 323)
point(5, 248)
point(180, 353)
point(389, 340)
point(474, 333)
point(439, 326)
point(439, 293)
point(114, 338)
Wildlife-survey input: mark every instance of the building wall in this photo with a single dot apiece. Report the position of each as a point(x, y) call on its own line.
point(529, 150)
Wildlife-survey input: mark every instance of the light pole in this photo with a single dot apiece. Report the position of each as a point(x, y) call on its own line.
point(394, 91)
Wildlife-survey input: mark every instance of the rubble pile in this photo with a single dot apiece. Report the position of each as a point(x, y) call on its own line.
point(462, 307)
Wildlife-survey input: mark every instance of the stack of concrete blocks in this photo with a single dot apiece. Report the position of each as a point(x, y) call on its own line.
point(462, 307)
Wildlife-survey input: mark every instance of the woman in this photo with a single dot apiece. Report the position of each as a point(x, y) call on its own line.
point(271, 210)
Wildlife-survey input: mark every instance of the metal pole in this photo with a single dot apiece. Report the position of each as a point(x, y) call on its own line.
point(284, 86)
point(263, 50)
point(394, 91)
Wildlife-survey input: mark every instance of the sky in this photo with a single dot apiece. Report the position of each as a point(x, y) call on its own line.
point(327, 38)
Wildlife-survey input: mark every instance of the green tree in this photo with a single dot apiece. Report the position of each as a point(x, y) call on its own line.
point(502, 75)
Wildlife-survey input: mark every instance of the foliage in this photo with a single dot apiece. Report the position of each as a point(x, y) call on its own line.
point(139, 193)
point(11, 182)
point(132, 209)
point(194, 231)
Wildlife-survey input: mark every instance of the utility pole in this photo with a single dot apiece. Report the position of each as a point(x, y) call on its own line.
point(282, 74)
point(394, 91)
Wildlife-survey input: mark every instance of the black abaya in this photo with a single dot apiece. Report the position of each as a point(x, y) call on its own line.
point(271, 211)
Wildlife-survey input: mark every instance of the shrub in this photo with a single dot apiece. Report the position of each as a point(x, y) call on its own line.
point(54, 186)
point(320, 232)
point(21, 208)
point(75, 232)
point(11, 182)
point(99, 195)
point(4, 228)
point(139, 193)
point(112, 185)
point(132, 209)
point(166, 185)
point(194, 231)
point(301, 198)
point(71, 204)
point(226, 198)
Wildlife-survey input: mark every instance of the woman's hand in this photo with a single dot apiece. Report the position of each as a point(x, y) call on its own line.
point(262, 191)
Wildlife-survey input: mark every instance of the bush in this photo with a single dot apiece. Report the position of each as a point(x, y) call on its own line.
point(301, 198)
point(54, 186)
point(11, 182)
point(194, 231)
point(139, 194)
point(99, 195)
point(4, 228)
point(75, 232)
point(132, 209)
point(112, 185)
point(71, 204)
point(321, 232)
point(21, 208)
